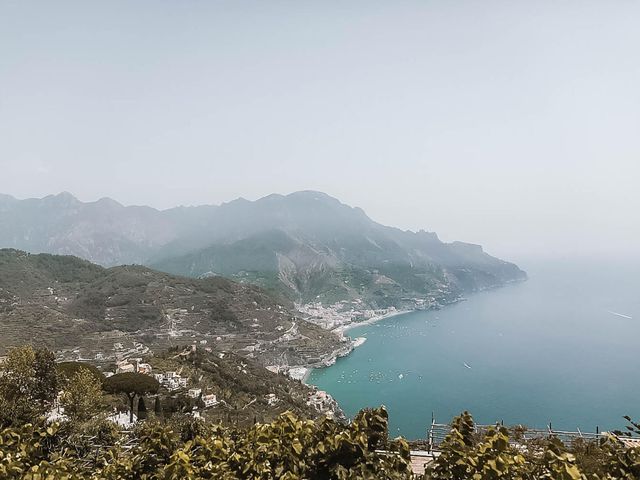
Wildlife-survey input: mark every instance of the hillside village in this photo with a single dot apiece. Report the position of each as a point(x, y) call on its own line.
point(205, 396)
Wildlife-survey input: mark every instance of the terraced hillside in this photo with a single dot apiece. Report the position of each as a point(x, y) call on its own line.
point(82, 310)
point(246, 392)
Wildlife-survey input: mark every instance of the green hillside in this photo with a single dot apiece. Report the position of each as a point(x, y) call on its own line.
point(85, 311)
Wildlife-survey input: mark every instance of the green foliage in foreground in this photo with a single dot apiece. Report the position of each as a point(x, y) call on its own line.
point(87, 446)
point(292, 448)
point(28, 385)
point(465, 456)
point(288, 448)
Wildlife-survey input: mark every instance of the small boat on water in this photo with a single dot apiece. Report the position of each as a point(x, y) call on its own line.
point(467, 365)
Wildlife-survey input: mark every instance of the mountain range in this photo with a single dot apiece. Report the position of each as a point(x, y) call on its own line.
point(306, 245)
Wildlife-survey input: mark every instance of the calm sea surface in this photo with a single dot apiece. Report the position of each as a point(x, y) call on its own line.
point(549, 349)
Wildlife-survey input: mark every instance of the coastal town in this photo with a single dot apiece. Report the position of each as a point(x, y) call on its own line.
point(340, 316)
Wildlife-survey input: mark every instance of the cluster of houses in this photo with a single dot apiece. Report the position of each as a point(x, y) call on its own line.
point(209, 399)
point(342, 313)
point(322, 402)
point(133, 365)
point(171, 380)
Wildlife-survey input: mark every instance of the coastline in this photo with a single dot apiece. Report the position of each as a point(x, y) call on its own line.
point(303, 373)
point(495, 316)
point(300, 373)
point(344, 328)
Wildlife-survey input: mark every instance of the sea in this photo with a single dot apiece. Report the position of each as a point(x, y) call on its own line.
point(562, 348)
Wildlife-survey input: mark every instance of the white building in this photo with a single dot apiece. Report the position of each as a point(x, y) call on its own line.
point(195, 392)
point(171, 380)
point(171, 384)
point(125, 367)
point(210, 400)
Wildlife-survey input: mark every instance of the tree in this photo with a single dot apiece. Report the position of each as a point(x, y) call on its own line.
point(291, 447)
point(67, 370)
point(142, 409)
point(132, 385)
point(46, 379)
point(157, 407)
point(82, 396)
point(28, 385)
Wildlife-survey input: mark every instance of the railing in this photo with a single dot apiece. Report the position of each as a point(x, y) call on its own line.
point(438, 431)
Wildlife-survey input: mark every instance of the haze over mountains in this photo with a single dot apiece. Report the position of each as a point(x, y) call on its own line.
point(306, 245)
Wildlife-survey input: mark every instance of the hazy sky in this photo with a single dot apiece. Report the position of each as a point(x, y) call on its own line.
point(513, 124)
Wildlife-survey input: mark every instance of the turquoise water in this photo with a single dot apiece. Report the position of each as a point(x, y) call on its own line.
point(543, 350)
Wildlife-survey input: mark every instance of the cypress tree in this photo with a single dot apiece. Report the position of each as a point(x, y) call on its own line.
point(142, 409)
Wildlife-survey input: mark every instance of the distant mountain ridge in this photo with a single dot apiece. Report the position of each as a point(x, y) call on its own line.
point(307, 245)
point(104, 231)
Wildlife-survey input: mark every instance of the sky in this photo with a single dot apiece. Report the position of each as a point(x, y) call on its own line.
point(512, 124)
